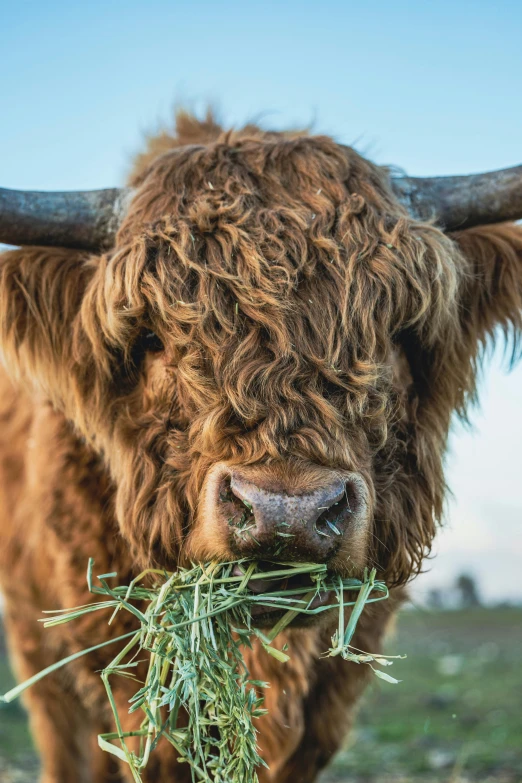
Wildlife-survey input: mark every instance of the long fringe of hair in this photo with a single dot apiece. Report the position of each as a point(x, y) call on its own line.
point(282, 276)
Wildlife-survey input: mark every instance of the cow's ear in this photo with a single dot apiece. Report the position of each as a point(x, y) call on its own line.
point(491, 294)
point(40, 293)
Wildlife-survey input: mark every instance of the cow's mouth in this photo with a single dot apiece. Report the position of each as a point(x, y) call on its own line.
point(300, 587)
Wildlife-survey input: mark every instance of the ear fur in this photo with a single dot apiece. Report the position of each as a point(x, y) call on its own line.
point(492, 286)
point(444, 370)
point(40, 294)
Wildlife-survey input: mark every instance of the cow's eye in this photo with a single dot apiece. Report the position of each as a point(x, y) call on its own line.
point(151, 342)
point(146, 342)
point(129, 364)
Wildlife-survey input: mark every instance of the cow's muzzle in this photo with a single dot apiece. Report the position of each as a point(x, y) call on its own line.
point(286, 512)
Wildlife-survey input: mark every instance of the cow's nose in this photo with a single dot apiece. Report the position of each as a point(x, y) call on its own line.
point(269, 522)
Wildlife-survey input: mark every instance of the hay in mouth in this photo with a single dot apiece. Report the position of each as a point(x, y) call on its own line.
point(193, 624)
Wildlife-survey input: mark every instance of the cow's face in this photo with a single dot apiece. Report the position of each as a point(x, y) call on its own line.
point(250, 359)
point(268, 359)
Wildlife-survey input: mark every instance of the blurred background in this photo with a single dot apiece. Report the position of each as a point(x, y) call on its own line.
point(431, 88)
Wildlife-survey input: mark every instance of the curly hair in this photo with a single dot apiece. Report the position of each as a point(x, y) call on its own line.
point(268, 303)
point(286, 284)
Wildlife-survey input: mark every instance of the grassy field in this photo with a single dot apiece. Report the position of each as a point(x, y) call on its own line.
point(457, 715)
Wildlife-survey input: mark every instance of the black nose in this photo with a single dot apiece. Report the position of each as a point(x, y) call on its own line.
point(271, 522)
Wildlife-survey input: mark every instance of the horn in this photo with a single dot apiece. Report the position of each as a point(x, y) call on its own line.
point(87, 220)
point(462, 202)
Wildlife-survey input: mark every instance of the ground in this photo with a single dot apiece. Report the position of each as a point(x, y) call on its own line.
point(455, 717)
point(457, 714)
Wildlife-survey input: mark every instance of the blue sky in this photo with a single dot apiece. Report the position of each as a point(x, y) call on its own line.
point(431, 87)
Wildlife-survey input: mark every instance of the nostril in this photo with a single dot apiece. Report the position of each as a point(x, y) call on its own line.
point(335, 516)
point(238, 511)
point(332, 519)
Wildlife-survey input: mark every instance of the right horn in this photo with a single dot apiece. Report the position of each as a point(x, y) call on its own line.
point(465, 201)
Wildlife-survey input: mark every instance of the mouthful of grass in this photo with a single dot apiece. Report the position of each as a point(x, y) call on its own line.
point(193, 625)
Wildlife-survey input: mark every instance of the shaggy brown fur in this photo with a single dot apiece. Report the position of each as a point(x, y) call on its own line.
point(307, 322)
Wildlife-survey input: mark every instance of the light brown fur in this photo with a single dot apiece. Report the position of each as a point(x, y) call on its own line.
point(307, 321)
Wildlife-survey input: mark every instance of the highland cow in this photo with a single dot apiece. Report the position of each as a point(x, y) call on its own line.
point(276, 322)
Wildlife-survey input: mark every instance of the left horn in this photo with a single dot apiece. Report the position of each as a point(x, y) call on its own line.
point(462, 202)
point(87, 220)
